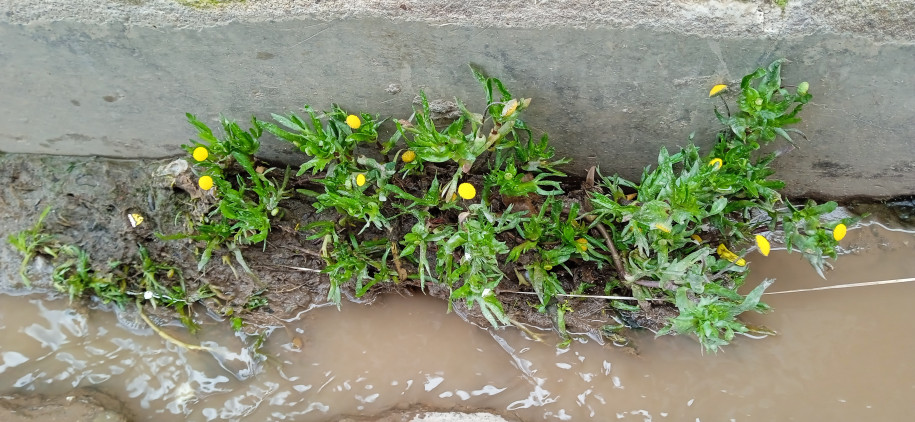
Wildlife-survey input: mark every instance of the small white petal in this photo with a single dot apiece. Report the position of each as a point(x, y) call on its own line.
point(148, 295)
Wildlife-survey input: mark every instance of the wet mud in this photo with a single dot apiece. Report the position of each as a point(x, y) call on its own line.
point(80, 405)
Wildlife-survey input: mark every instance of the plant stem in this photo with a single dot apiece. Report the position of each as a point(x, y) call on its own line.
point(401, 272)
point(617, 261)
point(167, 336)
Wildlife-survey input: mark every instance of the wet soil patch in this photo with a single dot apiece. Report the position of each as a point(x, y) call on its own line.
point(82, 404)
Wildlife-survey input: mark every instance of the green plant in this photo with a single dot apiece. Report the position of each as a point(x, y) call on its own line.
point(713, 318)
point(510, 182)
point(460, 146)
point(327, 144)
point(418, 240)
point(766, 107)
point(243, 212)
point(31, 242)
point(255, 301)
point(375, 194)
point(561, 310)
point(344, 193)
point(77, 275)
point(668, 225)
point(353, 259)
point(470, 258)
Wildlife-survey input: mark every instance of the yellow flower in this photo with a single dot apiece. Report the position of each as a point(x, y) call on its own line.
point(200, 153)
point(467, 191)
point(205, 182)
point(697, 238)
point(725, 253)
point(716, 163)
point(717, 89)
point(763, 245)
point(662, 227)
point(353, 121)
point(509, 108)
point(582, 244)
point(839, 232)
point(408, 156)
point(360, 179)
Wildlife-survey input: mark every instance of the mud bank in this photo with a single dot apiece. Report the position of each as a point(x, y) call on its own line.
point(80, 405)
point(88, 405)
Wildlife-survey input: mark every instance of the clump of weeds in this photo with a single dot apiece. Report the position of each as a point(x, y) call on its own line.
point(142, 281)
point(247, 197)
point(480, 208)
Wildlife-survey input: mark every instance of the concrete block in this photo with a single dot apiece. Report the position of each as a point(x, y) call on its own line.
point(611, 82)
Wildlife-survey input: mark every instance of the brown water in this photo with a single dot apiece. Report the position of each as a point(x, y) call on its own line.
point(841, 355)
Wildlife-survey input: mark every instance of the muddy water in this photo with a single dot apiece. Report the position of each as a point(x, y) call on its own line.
point(840, 355)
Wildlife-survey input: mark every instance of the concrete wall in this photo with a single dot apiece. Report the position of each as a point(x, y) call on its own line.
point(611, 82)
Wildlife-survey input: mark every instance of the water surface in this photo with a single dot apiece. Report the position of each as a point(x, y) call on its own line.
point(840, 355)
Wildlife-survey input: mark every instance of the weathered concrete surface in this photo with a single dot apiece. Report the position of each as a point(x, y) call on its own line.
point(611, 83)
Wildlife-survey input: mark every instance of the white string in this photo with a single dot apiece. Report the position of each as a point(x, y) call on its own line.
point(839, 286)
point(843, 286)
point(584, 296)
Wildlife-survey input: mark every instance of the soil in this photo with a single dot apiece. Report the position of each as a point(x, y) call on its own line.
point(88, 405)
point(91, 200)
point(80, 405)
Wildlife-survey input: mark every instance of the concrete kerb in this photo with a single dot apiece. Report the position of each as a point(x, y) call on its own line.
point(611, 83)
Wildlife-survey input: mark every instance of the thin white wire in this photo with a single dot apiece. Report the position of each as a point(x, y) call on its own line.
point(838, 286)
point(584, 296)
point(845, 286)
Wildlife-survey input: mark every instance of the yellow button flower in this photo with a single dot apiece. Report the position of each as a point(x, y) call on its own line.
point(353, 121)
point(716, 163)
point(582, 244)
point(717, 89)
point(360, 179)
point(725, 253)
point(205, 182)
point(839, 232)
point(408, 156)
point(201, 153)
point(467, 191)
point(763, 245)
